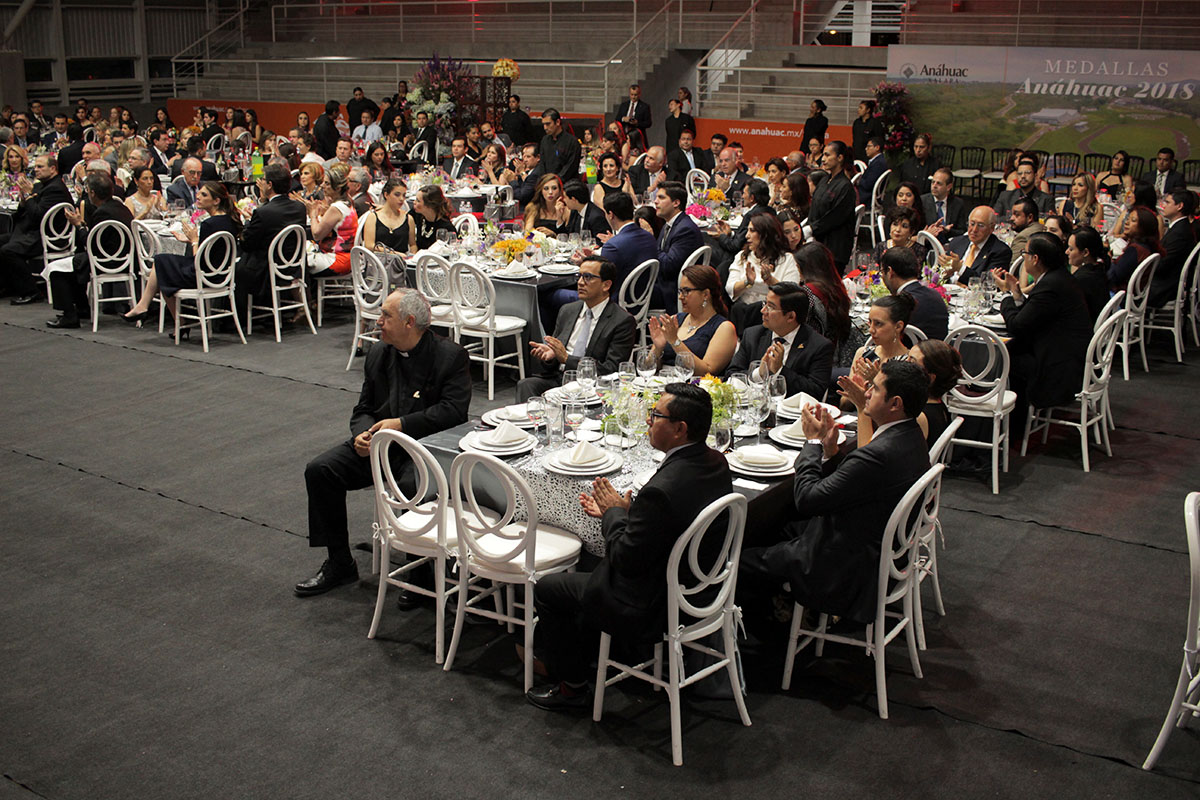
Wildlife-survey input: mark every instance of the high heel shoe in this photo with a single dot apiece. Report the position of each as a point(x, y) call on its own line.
point(138, 318)
point(185, 335)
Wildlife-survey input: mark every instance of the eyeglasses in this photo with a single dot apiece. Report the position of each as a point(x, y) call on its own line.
point(586, 277)
point(656, 414)
point(684, 291)
point(768, 307)
point(978, 224)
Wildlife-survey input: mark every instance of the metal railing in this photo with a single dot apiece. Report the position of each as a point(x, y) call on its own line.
point(225, 38)
point(653, 36)
point(771, 93)
point(761, 25)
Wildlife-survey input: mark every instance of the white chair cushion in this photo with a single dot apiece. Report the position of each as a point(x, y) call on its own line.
point(416, 519)
point(442, 312)
point(982, 409)
point(503, 325)
point(555, 548)
point(966, 173)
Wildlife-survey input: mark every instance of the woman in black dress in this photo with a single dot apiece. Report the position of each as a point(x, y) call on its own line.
point(832, 214)
point(174, 272)
point(1087, 260)
point(613, 179)
point(430, 214)
point(388, 228)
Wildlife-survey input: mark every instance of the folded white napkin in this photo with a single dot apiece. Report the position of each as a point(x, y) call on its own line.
point(795, 430)
point(514, 268)
point(572, 388)
point(519, 411)
point(505, 434)
point(738, 385)
point(798, 401)
point(761, 455)
point(585, 453)
point(440, 248)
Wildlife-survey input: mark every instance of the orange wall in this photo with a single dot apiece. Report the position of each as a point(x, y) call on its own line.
point(762, 140)
point(276, 117)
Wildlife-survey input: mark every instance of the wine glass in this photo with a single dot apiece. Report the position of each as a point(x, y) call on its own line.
point(720, 436)
point(759, 408)
point(575, 412)
point(647, 363)
point(777, 389)
point(586, 375)
point(535, 409)
point(570, 384)
point(631, 415)
point(606, 386)
point(754, 374)
point(626, 372)
point(685, 366)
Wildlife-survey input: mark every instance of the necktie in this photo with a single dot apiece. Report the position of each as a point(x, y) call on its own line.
point(969, 258)
point(585, 331)
point(691, 159)
point(457, 167)
point(662, 237)
point(1160, 183)
point(941, 209)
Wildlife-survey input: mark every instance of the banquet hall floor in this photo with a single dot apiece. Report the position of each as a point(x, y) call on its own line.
point(152, 648)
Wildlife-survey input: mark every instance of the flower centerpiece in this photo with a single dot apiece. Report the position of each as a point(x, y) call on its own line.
point(935, 280)
point(509, 249)
point(439, 82)
point(724, 398)
point(895, 105)
point(876, 288)
point(698, 211)
point(506, 68)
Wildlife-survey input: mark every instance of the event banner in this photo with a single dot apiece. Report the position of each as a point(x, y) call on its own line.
point(1054, 99)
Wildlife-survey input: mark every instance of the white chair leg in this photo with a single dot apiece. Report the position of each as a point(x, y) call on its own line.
point(1028, 425)
point(439, 602)
point(491, 367)
point(793, 637)
point(910, 635)
point(95, 289)
point(675, 667)
point(735, 678)
point(249, 315)
point(1124, 345)
point(276, 314)
point(918, 612)
point(1142, 344)
point(380, 597)
point(880, 674)
point(933, 573)
point(530, 622)
point(464, 575)
point(202, 311)
point(601, 676)
point(1181, 688)
point(822, 624)
point(995, 455)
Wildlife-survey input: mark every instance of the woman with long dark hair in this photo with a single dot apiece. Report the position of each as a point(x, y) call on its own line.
point(1088, 262)
point(1116, 179)
point(762, 262)
point(700, 328)
point(1141, 242)
point(612, 179)
point(431, 213)
point(832, 214)
point(795, 195)
point(377, 162)
point(830, 314)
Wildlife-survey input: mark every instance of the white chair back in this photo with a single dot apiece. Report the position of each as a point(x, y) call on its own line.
point(1138, 291)
point(433, 278)
point(473, 296)
point(503, 194)
point(859, 211)
point(696, 182)
point(1110, 213)
point(110, 248)
point(214, 261)
point(286, 256)
point(988, 382)
point(915, 334)
point(419, 151)
point(639, 159)
point(637, 288)
point(482, 537)
point(1189, 270)
point(392, 502)
point(145, 247)
point(1109, 309)
point(244, 140)
point(930, 241)
point(216, 142)
point(701, 255)
point(910, 518)
point(89, 133)
point(941, 448)
point(1097, 368)
point(58, 234)
point(362, 223)
point(370, 280)
point(466, 225)
point(860, 166)
point(880, 221)
point(877, 192)
point(715, 580)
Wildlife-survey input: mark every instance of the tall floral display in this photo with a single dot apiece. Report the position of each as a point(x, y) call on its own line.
point(439, 82)
point(894, 111)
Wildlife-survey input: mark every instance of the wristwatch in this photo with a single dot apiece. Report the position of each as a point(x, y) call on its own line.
point(677, 343)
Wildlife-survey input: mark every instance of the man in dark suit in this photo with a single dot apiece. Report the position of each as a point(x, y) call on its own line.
point(648, 175)
point(785, 345)
point(977, 252)
point(72, 154)
point(356, 191)
point(1178, 206)
point(525, 181)
point(70, 288)
point(901, 273)
point(876, 166)
point(942, 206)
point(631, 244)
point(830, 554)
point(1027, 188)
point(194, 148)
point(1049, 325)
point(587, 219)
point(685, 158)
point(636, 113)
point(415, 382)
point(325, 130)
point(919, 167)
point(458, 164)
point(626, 594)
point(425, 132)
point(57, 135)
point(717, 143)
point(160, 162)
point(208, 116)
point(21, 249)
point(676, 123)
point(185, 191)
point(1164, 177)
point(595, 327)
point(727, 177)
point(276, 212)
point(677, 240)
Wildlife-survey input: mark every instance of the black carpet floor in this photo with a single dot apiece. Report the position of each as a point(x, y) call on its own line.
point(151, 647)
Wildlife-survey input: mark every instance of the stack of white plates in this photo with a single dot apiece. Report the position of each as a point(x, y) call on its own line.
point(557, 395)
point(758, 462)
point(605, 462)
point(790, 407)
point(558, 268)
point(514, 274)
point(992, 320)
point(477, 441)
point(514, 415)
point(780, 434)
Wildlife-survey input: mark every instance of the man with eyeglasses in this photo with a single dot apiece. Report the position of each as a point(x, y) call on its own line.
point(192, 169)
point(1026, 188)
point(976, 252)
point(785, 344)
point(593, 326)
point(626, 594)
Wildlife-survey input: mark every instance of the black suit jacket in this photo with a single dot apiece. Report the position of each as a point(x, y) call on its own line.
point(675, 126)
point(736, 184)
point(593, 220)
point(955, 217)
point(523, 189)
point(832, 560)
point(640, 179)
point(831, 216)
point(875, 167)
point(683, 239)
point(931, 314)
point(641, 115)
point(1004, 202)
point(1050, 334)
point(808, 365)
point(27, 219)
point(180, 191)
point(994, 254)
point(468, 166)
point(434, 396)
point(69, 156)
point(1093, 282)
point(1174, 180)
point(208, 169)
point(627, 592)
point(1177, 244)
point(111, 209)
point(266, 223)
point(613, 337)
point(677, 164)
point(326, 134)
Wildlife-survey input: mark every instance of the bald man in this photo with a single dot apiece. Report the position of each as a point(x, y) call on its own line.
point(727, 177)
point(651, 173)
point(977, 252)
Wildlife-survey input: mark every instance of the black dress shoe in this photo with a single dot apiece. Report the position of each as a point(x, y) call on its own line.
point(25, 300)
point(557, 697)
point(407, 601)
point(330, 576)
point(62, 322)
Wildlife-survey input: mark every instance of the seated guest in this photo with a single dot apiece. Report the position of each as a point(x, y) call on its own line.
point(1116, 179)
point(173, 272)
point(311, 177)
point(686, 157)
point(1049, 326)
point(356, 190)
point(829, 304)
point(458, 164)
point(757, 198)
point(785, 345)
point(415, 382)
point(306, 146)
point(474, 146)
point(1178, 205)
point(700, 328)
point(1026, 187)
point(794, 195)
point(378, 163)
point(907, 196)
point(146, 201)
point(1164, 177)
point(1082, 207)
point(595, 326)
point(1141, 241)
point(194, 148)
point(763, 262)
point(546, 211)
point(491, 166)
point(829, 555)
point(626, 594)
point(1139, 194)
point(901, 273)
point(976, 252)
point(529, 172)
point(334, 224)
point(726, 176)
point(388, 228)
point(70, 288)
point(343, 154)
point(918, 168)
point(1088, 261)
point(275, 212)
point(1024, 219)
point(368, 131)
point(793, 232)
point(612, 179)
point(587, 219)
point(885, 323)
point(22, 247)
point(431, 213)
point(876, 166)
point(651, 173)
point(187, 190)
point(14, 170)
point(677, 240)
point(902, 227)
point(630, 245)
point(160, 143)
point(1060, 226)
point(776, 170)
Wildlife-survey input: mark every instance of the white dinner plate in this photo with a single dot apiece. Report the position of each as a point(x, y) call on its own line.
point(992, 320)
point(495, 416)
point(558, 268)
point(736, 465)
point(556, 395)
point(471, 442)
point(788, 413)
point(610, 463)
point(777, 434)
point(515, 276)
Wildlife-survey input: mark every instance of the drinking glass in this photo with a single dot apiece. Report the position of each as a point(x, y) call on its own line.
point(586, 375)
point(554, 423)
point(685, 366)
point(575, 413)
point(626, 372)
point(754, 374)
point(720, 436)
point(570, 384)
point(535, 409)
point(606, 386)
point(777, 389)
point(612, 438)
point(647, 363)
point(759, 408)
point(631, 416)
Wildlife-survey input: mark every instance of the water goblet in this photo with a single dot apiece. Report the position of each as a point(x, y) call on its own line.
point(535, 409)
point(647, 363)
point(626, 372)
point(574, 413)
point(685, 366)
point(570, 384)
point(586, 375)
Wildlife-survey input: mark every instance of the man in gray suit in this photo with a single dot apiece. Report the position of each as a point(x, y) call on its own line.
point(595, 326)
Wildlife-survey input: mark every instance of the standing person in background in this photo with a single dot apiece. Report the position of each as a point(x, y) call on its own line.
point(920, 166)
point(636, 113)
point(358, 104)
point(516, 124)
point(831, 216)
point(676, 123)
point(816, 125)
point(325, 132)
point(560, 149)
point(865, 126)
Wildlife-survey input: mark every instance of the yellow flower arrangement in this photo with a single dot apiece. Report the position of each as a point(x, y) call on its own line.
point(509, 249)
point(506, 68)
point(714, 196)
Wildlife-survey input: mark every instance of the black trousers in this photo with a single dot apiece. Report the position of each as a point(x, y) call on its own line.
point(532, 387)
point(329, 477)
point(70, 288)
point(15, 257)
point(563, 639)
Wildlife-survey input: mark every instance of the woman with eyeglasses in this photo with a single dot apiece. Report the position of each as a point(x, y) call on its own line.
point(763, 262)
point(700, 328)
